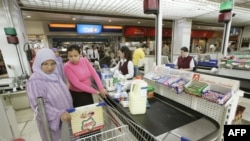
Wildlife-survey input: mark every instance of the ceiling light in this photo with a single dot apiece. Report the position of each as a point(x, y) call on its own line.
point(199, 27)
point(28, 16)
point(73, 19)
point(110, 21)
point(138, 22)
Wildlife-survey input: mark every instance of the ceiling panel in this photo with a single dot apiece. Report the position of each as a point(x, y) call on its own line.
point(97, 11)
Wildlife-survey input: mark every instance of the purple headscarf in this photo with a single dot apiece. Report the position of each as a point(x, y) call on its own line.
point(54, 50)
point(43, 55)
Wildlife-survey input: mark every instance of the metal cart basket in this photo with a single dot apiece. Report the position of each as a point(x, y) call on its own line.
point(117, 127)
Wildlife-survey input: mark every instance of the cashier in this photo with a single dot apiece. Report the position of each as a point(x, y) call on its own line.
point(125, 68)
point(184, 61)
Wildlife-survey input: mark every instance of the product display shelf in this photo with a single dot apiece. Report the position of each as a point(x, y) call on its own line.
point(223, 114)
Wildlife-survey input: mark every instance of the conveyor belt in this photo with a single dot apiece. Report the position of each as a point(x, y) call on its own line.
point(161, 118)
point(164, 115)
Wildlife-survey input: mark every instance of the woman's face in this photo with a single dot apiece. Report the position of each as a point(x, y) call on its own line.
point(121, 54)
point(183, 53)
point(48, 66)
point(74, 56)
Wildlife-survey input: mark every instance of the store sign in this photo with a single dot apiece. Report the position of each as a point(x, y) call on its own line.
point(201, 34)
point(88, 29)
point(145, 31)
point(135, 31)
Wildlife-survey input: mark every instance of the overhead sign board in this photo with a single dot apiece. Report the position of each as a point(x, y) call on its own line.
point(88, 29)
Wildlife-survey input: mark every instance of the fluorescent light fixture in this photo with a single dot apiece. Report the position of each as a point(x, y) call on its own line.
point(57, 25)
point(28, 16)
point(111, 27)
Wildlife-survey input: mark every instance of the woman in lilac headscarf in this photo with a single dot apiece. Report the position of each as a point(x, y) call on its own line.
point(46, 83)
point(60, 64)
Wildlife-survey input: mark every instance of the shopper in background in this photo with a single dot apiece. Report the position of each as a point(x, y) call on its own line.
point(137, 55)
point(125, 68)
point(165, 50)
point(93, 54)
point(184, 61)
point(59, 64)
point(79, 73)
point(46, 83)
point(114, 60)
point(106, 60)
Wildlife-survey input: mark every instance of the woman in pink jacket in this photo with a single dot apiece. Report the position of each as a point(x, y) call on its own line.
point(79, 73)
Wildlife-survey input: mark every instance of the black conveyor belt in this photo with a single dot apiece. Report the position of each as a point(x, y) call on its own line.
point(164, 115)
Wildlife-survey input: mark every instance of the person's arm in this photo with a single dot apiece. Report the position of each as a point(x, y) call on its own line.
point(35, 90)
point(115, 68)
point(142, 54)
point(73, 80)
point(130, 70)
point(175, 62)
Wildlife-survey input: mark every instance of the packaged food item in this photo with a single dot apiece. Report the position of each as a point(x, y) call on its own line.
point(178, 86)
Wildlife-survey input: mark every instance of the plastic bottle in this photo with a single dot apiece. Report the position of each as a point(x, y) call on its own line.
point(138, 97)
point(106, 73)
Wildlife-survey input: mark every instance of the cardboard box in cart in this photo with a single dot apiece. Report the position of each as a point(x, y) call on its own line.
point(217, 94)
point(87, 119)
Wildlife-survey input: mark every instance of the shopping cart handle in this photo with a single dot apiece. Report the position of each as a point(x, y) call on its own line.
point(185, 139)
point(71, 110)
point(101, 104)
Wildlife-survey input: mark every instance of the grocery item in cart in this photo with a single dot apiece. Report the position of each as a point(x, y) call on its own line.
point(138, 97)
point(86, 119)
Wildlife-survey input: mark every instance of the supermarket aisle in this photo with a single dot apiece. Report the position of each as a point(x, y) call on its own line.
point(27, 125)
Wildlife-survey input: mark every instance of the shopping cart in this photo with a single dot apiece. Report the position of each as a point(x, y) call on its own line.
point(117, 127)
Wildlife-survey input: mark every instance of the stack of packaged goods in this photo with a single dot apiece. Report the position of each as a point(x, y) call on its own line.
point(178, 86)
point(217, 94)
point(195, 87)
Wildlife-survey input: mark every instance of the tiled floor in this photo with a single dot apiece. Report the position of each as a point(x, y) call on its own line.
point(27, 125)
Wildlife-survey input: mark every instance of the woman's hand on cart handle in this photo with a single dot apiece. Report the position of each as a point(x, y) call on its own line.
point(65, 116)
point(103, 93)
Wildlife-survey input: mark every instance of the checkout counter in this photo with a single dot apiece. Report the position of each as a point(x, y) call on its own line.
point(172, 116)
point(12, 99)
point(169, 120)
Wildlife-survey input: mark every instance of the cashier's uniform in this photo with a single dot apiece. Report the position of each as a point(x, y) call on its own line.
point(123, 70)
point(184, 62)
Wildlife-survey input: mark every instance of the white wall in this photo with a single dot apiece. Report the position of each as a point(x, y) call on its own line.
point(246, 32)
point(9, 50)
point(34, 27)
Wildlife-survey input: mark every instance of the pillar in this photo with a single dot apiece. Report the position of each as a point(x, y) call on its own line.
point(11, 16)
point(181, 36)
